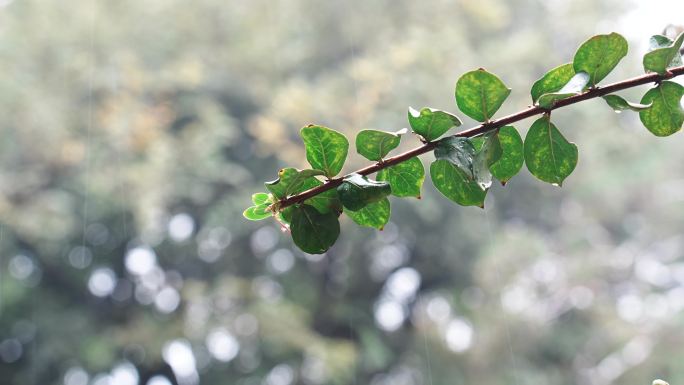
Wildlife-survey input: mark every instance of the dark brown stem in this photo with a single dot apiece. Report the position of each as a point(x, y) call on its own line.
point(484, 128)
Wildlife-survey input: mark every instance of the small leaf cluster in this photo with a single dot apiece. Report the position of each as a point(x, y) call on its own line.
point(464, 167)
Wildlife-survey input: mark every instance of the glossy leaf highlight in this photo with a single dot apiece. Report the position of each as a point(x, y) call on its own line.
point(472, 156)
point(488, 152)
point(619, 104)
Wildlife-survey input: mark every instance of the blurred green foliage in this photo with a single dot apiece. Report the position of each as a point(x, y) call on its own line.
point(135, 131)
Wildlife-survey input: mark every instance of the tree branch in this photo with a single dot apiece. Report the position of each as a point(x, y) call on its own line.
point(486, 127)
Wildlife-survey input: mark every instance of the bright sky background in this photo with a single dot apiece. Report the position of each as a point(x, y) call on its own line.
point(648, 17)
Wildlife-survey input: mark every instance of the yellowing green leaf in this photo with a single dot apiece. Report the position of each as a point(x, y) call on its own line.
point(479, 94)
point(599, 55)
point(374, 144)
point(552, 81)
point(665, 56)
point(405, 178)
point(548, 155)
point(512, 158)
point(372, 215)
point(431, 123)
point(454, 184)
point(575, 86)
point(665, 117)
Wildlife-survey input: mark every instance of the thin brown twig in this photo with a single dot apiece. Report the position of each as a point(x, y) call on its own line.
point(486, 127)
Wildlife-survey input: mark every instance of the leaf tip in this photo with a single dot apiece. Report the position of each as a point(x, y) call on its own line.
point(413, 112)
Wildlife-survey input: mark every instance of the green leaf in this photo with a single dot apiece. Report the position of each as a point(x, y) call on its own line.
point(326, 149)
point(292, 181)
point(459, 151)
point(488, 148)
point(257, 213)
point(489, 151)
point(260, 198)
point(326, 202)
point(574, 87)
point(472, 156)
point(548, 155)
point(665, 116)
point(619, 104)
point(372, 215)
point(357, 191)
point(405, 178)
point(599, 55)
point(665, 56)
point(512, 158)
point(552, 81)
point(431, 123)
point(660, 41)
point(312, 231)
point(454, 184)
point(285, 215)
point(289, 182)
point(298, 180)
point(279, 186)
point(374, 145)
point(479, 94)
